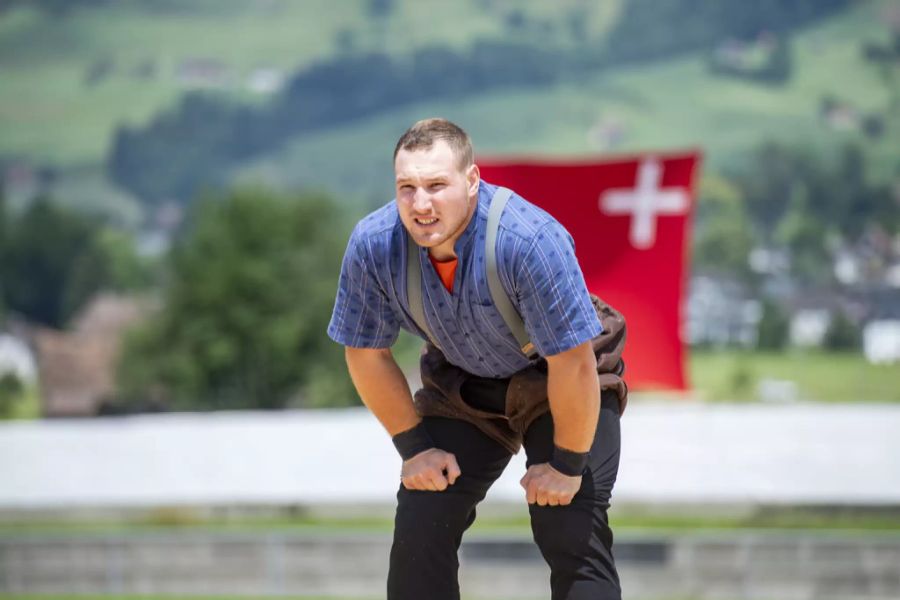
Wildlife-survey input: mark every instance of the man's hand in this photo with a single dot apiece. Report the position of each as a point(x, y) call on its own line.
point(431, 470)
point(546, 486)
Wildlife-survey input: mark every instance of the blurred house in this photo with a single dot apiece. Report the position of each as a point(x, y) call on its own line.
point(77, 367)
point(204, 73)
point(881, 335)
point(774, 262)
point(848, 268)
point(721, 312)
point(607, 133)
point(881, 341)
point(19, 181)
point(16, 358)
point(266, 80)
point(809, 326)
point(892, 275)
point(873, 308)
point(871, 260)
point(813, 311)
point(165, 220)
point(839, 116)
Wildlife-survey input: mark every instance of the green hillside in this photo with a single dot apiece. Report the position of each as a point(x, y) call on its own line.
point(69, 79)
point(669, 104)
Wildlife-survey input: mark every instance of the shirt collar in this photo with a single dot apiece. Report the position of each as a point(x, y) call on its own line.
point(464, 243)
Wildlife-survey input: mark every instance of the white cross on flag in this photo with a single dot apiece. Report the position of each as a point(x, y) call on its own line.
point(644, 202)
point(630, 220)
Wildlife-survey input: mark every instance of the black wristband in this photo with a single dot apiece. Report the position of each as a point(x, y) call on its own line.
point(569, 463)
point(412, 441)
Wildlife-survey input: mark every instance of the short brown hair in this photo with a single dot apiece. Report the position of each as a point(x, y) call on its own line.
point(423, 134)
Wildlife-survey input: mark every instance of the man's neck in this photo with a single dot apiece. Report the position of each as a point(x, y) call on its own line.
point(447, 251)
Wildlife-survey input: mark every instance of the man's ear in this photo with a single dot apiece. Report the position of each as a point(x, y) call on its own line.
point(473, 179)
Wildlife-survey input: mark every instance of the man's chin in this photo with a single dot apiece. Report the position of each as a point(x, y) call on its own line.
point(427, 240)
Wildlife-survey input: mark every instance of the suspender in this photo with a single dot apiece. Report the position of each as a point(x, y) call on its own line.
point(498, 294)
point(414, 287)
point(510, 315)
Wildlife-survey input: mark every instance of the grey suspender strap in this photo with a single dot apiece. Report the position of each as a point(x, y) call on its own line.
point(414, 287)
point(501, 300)
point(498, 294)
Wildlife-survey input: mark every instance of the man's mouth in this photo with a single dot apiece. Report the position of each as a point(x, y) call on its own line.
point(422, 221)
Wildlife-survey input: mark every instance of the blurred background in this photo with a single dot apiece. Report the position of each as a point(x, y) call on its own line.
point(177, 184)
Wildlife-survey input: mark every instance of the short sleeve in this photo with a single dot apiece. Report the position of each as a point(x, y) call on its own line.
point(362, 316)
point(553, 297)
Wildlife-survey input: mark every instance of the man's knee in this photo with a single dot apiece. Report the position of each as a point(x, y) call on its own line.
point(427, 533)
point(576, 542)
point(561, 531)
point(431, 517)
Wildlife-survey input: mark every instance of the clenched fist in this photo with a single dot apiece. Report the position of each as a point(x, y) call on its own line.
point(545, 486)
point(431, 470)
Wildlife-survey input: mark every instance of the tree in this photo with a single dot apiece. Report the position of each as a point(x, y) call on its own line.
point(3, 244)
point(10, 393)
point(771, 175)
point(723, 240)
point(380, 9)
point(250, 291)
point(802, 231)
point(773, 327)
point(52, 264)
point(797, 201)
point(780, 63)
point(55, 259)
point(842, 334)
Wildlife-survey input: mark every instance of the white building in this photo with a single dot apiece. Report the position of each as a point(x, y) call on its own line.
point(809, 326)
point(16, 358)
point(881, 341)
point(720, 313)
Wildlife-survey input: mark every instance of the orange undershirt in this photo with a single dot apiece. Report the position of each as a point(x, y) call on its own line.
point(446, 270)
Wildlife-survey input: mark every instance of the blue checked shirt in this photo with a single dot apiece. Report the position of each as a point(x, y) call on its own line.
point(537, 267)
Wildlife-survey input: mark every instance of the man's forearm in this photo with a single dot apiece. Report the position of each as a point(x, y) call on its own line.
point(382, 387)
point(574, 393)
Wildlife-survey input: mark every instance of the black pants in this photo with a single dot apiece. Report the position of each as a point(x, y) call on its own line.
point(575, 540)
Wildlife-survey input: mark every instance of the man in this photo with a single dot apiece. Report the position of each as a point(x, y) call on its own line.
point(449, 463)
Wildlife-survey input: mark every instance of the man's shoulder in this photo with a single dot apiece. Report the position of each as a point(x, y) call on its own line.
point(523, 220)
point(377, 227)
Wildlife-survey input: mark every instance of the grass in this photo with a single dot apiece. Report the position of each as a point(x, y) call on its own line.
point(820, 377)
point(803, 519)
point(27, 405)
point(625, 519)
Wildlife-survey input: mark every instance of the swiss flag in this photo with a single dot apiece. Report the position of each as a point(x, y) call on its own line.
point(630, 219)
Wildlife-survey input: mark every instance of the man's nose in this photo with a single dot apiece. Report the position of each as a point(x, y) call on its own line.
point(422, 201)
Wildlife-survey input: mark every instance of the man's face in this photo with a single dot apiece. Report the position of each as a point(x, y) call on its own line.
point(435, 196)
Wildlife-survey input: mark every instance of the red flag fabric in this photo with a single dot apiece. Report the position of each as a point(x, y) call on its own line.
point(630, 220)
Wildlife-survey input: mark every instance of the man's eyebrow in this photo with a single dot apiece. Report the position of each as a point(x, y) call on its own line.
point(427, 178)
